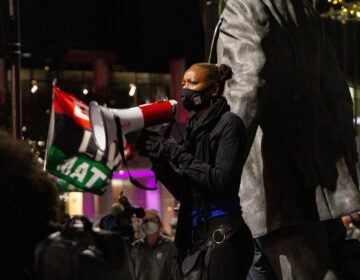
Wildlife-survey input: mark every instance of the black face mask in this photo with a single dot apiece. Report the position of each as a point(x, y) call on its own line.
point(194, 100)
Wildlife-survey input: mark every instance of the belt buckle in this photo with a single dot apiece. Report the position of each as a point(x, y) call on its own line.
point(215, 237)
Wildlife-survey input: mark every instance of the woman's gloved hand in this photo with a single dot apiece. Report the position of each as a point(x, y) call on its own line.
point(152, 144)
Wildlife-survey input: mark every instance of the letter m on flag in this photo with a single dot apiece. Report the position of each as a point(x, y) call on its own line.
point(72, 156)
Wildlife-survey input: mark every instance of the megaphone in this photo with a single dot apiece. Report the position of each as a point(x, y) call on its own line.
point(103, 120)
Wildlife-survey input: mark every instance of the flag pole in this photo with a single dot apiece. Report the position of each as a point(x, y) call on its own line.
point(49, 139)
point(15, 62)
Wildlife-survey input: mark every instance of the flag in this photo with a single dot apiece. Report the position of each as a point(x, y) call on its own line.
point(72, 156)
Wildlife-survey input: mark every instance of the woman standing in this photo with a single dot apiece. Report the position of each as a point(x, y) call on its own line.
point(204, 175)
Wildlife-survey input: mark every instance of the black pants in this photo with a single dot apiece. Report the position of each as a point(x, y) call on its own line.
point(260, 268)
point(232, 258)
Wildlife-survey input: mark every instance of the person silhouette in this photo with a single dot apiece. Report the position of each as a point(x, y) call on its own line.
point(29, 204)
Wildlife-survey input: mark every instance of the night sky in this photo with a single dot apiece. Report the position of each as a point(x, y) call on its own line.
point(145, 34)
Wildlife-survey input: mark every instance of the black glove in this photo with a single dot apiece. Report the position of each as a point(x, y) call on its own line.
point(151, 144)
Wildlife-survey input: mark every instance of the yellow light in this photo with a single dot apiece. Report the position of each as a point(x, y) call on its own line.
point(352, 12)
point(132, 89)
point(358, 14)
point(75, 203)
point(34, 89)
point(34, 86)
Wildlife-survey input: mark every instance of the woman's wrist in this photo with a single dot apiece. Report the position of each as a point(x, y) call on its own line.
point(351, 218)
point(354, 219)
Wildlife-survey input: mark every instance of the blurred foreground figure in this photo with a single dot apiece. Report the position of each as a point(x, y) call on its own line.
point(299, 177)
point(79, 252)
point(28, 207)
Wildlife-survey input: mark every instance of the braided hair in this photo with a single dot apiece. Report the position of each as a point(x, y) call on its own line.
point(216, 73)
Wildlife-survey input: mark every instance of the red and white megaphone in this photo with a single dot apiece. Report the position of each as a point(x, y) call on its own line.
point(103, 120)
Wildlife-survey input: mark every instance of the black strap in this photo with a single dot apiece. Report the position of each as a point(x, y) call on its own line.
point(168, 129)
point(135, 182)
point(212, 55)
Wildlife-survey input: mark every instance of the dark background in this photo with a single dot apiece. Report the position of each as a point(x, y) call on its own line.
point(145, 34)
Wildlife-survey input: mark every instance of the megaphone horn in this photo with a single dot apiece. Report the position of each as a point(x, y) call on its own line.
point(103, 125)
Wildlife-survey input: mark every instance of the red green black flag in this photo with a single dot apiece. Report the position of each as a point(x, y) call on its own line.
point(72, 156)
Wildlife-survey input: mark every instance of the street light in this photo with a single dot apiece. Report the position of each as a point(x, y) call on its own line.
point(132, 89)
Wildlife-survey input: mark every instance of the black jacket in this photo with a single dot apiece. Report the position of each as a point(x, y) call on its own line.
point(206, 170)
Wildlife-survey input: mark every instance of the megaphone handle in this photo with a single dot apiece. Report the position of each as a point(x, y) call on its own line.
point(168, 129)
point(121, 150)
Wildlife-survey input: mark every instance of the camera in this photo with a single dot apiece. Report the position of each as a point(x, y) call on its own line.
point(120, 217)
point(129, 209)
